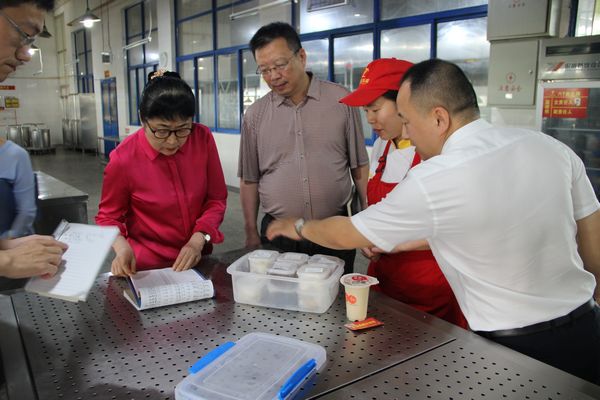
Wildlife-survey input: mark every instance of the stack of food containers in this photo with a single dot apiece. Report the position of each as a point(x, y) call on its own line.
point(292, 281)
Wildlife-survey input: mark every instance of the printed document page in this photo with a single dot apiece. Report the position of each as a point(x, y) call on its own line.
point(161, 287)
point(88, 247)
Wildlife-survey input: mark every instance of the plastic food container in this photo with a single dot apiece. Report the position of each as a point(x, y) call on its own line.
point(287, 292)
point(323, 259)
point(259, 366)
point(284, 268)
point(311, 277)
point(299, 258)
point(259, 261)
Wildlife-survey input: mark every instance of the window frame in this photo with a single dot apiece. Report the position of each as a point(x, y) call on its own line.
point(376, 27)
point(133, 115)
point(85, 81)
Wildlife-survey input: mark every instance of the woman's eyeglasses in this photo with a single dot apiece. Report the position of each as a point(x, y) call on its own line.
point(165, 133)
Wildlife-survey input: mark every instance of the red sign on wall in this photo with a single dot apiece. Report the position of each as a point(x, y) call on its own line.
point(565, 103)
point(7, 87)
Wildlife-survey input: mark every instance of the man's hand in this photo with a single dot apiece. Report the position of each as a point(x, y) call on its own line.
point(252, 239)
point(369, 253)
point(124, 262)
point(34, 255)
point(191, 253)
point(283, 227)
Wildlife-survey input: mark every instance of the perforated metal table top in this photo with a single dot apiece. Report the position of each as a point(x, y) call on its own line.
point(469, 368)
point(105, 349)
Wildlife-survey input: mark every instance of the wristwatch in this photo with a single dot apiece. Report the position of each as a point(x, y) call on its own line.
point(298, 225)
point(206, 237)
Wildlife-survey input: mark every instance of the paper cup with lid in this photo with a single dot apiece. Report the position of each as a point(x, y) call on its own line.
point(357, 294)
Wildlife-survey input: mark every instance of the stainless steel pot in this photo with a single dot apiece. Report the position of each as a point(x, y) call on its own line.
point(36, 141)
point(25, 136)
point(14, 134)
point(46, 142)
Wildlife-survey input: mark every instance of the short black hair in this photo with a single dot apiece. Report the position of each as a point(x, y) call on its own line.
point(167, 97)
point(272, 31)
point(47, 5)
point(436, 83)
point(391, 95)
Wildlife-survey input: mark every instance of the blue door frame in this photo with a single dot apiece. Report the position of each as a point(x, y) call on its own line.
point(110, 120)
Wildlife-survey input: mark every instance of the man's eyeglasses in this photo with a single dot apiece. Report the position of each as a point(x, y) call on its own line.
point(279, 66)
point(165, 133)
point(26, 40)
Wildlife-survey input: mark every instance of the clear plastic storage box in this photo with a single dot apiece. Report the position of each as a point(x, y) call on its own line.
point(259, 366)
point(309, 292)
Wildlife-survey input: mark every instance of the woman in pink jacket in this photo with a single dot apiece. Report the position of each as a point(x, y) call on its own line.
point(164, 187)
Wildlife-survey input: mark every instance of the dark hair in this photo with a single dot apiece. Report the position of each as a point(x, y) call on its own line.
point(436, 83)
point(167, 97)
point(47, 5)
point(391, 95)
point(272, 31)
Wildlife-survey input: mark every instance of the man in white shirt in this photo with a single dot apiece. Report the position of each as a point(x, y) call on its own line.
point(20, 22)
point(509, 214)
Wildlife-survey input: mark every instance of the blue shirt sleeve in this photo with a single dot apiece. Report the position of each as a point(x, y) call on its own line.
point(24, 191)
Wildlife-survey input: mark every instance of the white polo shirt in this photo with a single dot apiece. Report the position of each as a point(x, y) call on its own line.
point(499, 208)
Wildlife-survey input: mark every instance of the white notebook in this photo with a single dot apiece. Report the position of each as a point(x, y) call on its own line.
point(163, 287)
point(88, 247)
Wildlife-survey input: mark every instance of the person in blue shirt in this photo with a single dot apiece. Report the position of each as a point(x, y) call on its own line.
point(20, 22)
point(17, 191)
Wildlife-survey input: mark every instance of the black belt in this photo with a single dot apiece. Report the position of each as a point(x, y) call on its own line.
point(542, 326)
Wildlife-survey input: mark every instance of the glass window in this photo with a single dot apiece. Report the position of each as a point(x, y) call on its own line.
point(142, 77)
point(351, 56)
point(134, 20)
point(253, 85)
point(229, 106)
point(472, 59)
point(206, 91)
point(187, 73)
point(149, 17)
point(133, 118)
point(142, 59)
point(78, 40)
point(316, 16)
point(585, 18)
point(195, 36)
point(236, 28)
point(135, 56)
point(187, 8)
point(411, 43)
point(406, 8)
point(151, 51)
point(317, 57)
point(83, 60)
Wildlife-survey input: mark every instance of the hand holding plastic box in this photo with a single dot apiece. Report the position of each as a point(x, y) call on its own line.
point(259, 366)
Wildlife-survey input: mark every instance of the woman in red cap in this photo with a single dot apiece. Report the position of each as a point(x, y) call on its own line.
point(412, 277)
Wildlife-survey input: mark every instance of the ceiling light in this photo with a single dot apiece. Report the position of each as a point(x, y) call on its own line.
point(44, 33)
point(88, 19)
point(32, 49)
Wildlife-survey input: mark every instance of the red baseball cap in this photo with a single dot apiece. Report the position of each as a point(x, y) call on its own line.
point(378, 77)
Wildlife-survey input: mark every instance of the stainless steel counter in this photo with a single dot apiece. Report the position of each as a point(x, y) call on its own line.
point(58, 200)
point(104, 349)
